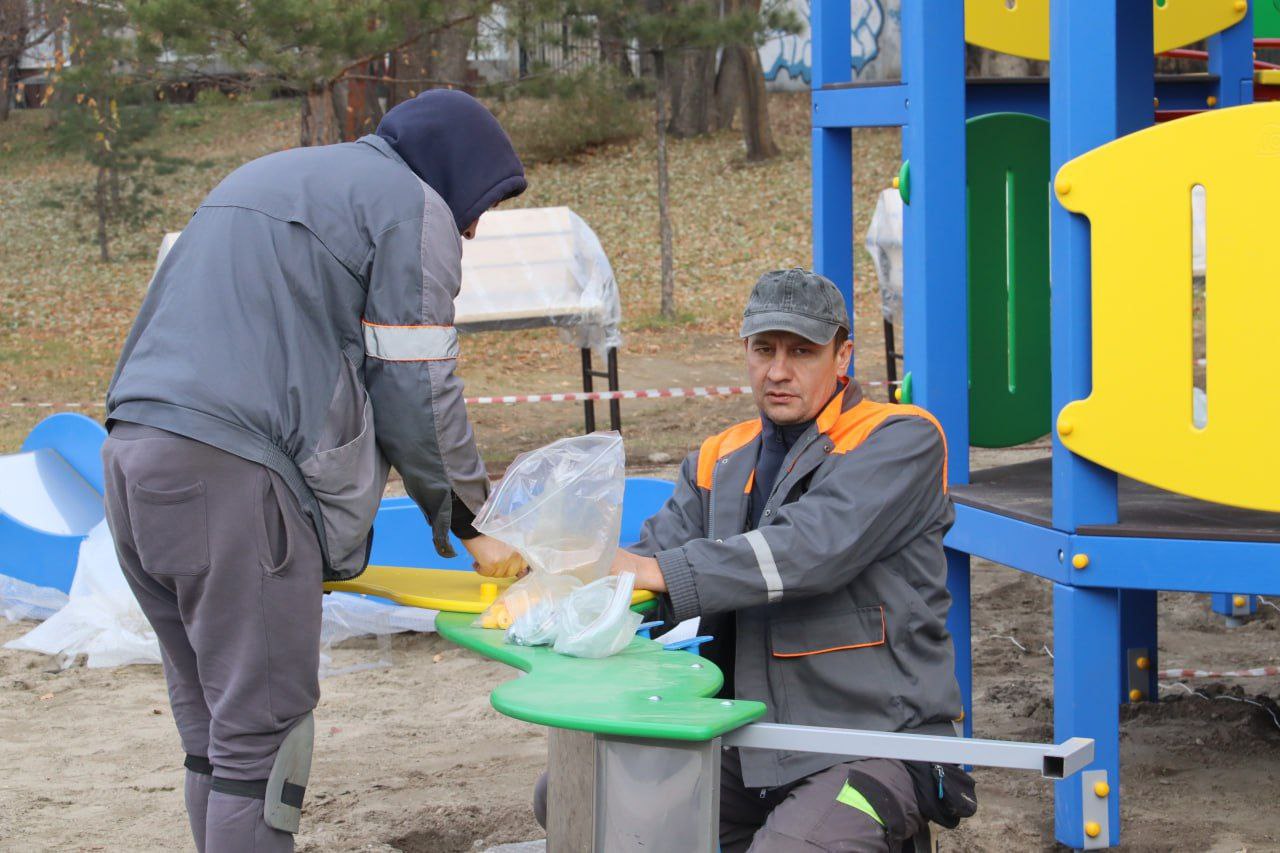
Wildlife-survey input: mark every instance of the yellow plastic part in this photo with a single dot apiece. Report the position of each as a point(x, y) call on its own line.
point(1092, 829)
point(1143, 663)
point(1138, 420)
point(1239, 601)
point(1101, 790)
point(1080, 561)
point(1021, 27)
point(1266, 77)
point(1135, 695)
point(450, 590)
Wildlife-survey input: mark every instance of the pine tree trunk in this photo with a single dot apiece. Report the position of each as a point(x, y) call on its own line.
point(729, 87)
point(319, 120)
point(668, 304)
point(100, 205)
point(693, 85)
point(757, 132)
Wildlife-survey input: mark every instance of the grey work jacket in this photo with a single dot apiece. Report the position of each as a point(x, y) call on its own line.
point(840, 594)
point(304, 320)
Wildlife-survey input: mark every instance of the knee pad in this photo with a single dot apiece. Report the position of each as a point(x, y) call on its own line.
point(281, 792)
point(198, 764)
point(287, 783)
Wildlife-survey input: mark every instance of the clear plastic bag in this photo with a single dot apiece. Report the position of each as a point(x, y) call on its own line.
point(561, 507)
point(596, 620)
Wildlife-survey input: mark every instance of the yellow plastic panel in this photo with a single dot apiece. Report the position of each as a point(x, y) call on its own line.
point(449, 590)
point(1136, 192)
point(1021, 27)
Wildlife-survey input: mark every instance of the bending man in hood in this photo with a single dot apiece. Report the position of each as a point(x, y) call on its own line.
point(296, 340)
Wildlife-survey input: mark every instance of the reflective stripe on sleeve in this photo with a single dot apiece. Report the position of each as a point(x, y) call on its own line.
point(768, 568)
point(410, 343)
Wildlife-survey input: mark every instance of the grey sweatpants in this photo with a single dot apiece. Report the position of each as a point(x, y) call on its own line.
point(228, 571)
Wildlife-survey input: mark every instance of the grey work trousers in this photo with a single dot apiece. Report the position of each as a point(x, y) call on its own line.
point(228, 571)
point(808, 815)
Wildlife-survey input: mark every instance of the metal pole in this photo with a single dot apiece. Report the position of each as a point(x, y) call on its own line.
point(1053, 760)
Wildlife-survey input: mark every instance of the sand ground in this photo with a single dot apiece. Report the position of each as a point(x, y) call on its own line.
point(412, 758)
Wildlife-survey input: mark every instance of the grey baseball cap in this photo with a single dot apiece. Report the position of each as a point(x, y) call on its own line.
point(795, 300)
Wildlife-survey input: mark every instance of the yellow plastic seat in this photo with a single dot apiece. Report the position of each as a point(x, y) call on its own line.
point(450, 590)
point(1021, 27)
point(1138, 420)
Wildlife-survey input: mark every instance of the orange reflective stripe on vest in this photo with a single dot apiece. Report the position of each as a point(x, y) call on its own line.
point(853, 427)
point(847, 430)
point(719, 446)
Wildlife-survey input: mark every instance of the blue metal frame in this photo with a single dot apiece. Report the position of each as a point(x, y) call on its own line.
point(1101, 86)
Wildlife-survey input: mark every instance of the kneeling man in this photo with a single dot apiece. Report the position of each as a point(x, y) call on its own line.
point(809, 541)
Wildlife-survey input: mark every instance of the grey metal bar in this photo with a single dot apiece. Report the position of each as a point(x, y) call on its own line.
point(1053, 761)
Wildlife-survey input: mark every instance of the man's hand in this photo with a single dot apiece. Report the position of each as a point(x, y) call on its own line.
point(648, 575)
point(494, 559)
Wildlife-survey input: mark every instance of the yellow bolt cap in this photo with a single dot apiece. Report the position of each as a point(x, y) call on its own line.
point(1239, 601)
point(1241, 5)
point(1062, 186)
point(895, 182)
point(1143, 663)
point(1101, 789)
point(1065, 428)
point(1092, 829)
point(897, 394)
point(1212, 100)
point(1135, 695)
point(1080, 561)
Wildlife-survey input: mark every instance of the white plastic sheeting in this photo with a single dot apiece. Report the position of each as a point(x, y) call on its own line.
point(884, 244)
point(536, 267)
point(101, 620)
point(531, 267)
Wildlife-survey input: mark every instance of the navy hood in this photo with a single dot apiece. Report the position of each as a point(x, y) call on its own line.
point(456, 146)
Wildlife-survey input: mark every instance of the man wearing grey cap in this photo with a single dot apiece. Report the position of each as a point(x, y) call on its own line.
point(809, 541)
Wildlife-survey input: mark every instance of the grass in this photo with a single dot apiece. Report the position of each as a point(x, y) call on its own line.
point(64, 315)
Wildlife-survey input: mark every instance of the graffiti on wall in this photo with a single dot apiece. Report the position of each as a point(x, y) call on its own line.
point(788, 56)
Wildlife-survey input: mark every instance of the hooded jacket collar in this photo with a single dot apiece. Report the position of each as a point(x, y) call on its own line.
point(456, 146)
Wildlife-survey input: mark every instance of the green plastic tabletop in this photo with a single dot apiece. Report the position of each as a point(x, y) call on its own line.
point(643, 691)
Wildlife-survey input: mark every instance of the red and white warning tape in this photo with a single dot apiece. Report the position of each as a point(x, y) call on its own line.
point(55, 405)
point(565, 397)
point(1255, 672)
point(582, 396)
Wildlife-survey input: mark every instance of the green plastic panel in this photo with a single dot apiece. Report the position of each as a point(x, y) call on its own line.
point(1266, 19)
point(610, 696)
point(1008, 200)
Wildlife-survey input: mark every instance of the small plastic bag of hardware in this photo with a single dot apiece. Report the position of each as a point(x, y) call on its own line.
point(529, 610)
point(596, 620)
point(560, 506)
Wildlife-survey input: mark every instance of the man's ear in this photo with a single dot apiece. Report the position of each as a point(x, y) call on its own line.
point(843, 355)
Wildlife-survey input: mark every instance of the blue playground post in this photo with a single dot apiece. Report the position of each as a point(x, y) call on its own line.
point(1085, 636)
point(1231, 59)
point(934, 246)
point(833, 155)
